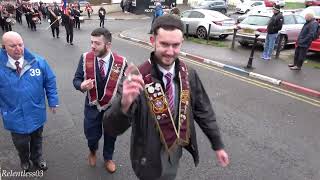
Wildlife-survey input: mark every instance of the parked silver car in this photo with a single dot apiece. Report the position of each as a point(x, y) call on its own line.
point(199, 20)
point(257, 23)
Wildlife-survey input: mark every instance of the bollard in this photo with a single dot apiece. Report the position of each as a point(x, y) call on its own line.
point(249, 65)
point(187, 30)
point(281, 36)
point(208, 34)
point(234, 37)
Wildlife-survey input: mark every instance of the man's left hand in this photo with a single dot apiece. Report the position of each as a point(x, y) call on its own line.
point(222, 157)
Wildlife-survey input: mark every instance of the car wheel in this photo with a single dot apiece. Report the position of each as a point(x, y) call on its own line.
point(283, 43)
point(223, 11)
point(201, 32)
point(223, 36)
point(243, 43)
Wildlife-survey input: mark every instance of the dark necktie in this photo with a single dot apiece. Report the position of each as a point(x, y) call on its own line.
point(169, 92)
point(18, 68)
point(101, 65)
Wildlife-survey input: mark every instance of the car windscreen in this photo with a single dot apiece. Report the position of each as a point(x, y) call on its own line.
point(256, 20)
point(315, 9)
point(205, 3)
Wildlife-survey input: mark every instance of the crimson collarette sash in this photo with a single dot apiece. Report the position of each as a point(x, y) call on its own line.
point(115, 75)
point(170, 136)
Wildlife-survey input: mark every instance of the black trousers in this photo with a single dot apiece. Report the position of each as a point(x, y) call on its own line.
point(55, 29)
point(77, 23)
point(19, 19)
point(33, 25)
point(69, 31)
point(29, 146)
point(101, 21)
point(7, 26)
point(28, 21)
point(299, 56)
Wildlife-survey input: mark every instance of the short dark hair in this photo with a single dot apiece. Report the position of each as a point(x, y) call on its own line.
point(102, 32)
point(167, 22)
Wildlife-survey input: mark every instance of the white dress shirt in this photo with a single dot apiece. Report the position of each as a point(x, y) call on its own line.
point(12, 61)
point(106, 60)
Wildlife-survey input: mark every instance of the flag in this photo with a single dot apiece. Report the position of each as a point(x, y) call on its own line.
point(64, 6)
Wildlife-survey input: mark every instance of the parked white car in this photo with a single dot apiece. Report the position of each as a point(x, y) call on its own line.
point(246, 6)
point(198, 21)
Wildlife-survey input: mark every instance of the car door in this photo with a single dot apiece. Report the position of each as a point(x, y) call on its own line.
point(195, 18)
point(289, 27)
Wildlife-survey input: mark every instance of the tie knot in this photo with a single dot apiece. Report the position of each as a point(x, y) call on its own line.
point(168, 77)
point(17, 63)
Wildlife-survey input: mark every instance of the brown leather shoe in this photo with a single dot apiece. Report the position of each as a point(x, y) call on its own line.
point(92, 159)
point(110, 166)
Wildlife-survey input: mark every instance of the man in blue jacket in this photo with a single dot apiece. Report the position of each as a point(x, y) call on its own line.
point(158, 11)
point(25, 80)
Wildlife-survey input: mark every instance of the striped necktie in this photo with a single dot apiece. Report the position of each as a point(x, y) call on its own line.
point(18, 68)
point(169, 92)
point(101, 68)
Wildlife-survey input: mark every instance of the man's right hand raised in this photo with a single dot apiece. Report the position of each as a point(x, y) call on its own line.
point(87, 84)
point(132, 87)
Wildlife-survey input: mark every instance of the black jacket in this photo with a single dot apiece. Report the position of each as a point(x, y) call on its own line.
point(307, 32)
point(145, 138)
point(102, 12)
point(275, 23)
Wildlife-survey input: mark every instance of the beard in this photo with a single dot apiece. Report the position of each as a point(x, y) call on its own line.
point(164, 61)
point(102, 52)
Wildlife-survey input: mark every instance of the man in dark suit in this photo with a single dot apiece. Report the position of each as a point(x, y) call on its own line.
point(98, 73)
point(77, 14)
point(102, 15)
point(54, 16)
point(161, 101)
point(68, 21)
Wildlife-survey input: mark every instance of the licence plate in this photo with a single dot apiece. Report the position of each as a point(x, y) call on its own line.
point(248, 31)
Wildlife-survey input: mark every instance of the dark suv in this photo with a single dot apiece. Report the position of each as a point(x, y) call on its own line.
point(218, 5)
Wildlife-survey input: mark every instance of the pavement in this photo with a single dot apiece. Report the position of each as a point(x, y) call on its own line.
point(275, 71)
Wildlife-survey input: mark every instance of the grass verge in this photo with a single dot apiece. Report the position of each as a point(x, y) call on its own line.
point(294, 5)
point(211, 42)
